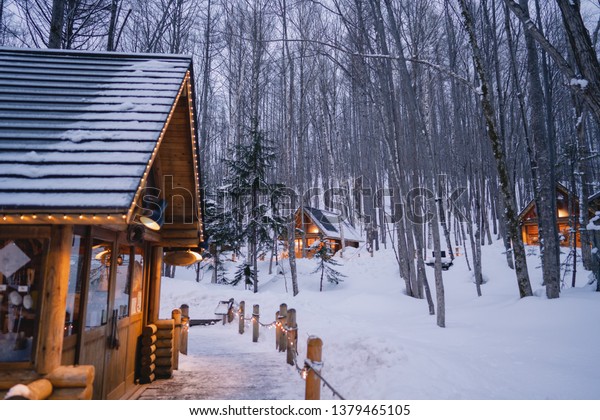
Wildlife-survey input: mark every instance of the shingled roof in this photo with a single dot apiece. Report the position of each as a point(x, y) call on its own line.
point(330, 225)
point(79, 129)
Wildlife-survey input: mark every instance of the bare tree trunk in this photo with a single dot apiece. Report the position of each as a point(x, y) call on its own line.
point(112, 27)
point(289, 96)
point(514, 231)
point(544, 185)
point(56, 24)
point(581, 46)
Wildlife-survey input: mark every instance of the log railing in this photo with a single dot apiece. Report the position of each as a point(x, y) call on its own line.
point(286, 341)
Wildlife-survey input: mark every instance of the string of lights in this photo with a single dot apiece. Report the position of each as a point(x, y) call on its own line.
point(308, 366)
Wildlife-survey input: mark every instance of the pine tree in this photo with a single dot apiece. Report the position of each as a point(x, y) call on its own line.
point(246, 273)
point(222, 233)
point(325, 263)
point(247, 182)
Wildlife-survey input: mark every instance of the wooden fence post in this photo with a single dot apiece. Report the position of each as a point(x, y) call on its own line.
point(313, 382)
point(277, 330)
point(282, 327)
point(242, 315)
point(292, 336)
point(230, 314)
point(185, 325)
point(185, 310)
point(255, 323)
point(176, 315)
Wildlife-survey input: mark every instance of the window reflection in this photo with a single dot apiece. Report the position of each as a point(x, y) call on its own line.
point(122, 282)
point(137, 272)
point(21, 276)
point(97, 302)
point(72, 317)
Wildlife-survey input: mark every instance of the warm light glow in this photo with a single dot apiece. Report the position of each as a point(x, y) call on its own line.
point(149, 223)
point(563, 213)
point(102, 254)
point(196, 255)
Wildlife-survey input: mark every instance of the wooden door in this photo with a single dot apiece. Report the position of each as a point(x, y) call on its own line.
point(113, 314)
point(125, 322)
point(96, 328)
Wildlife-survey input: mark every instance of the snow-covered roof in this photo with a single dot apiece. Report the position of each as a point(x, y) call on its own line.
point(330, 225)
point(77, 129)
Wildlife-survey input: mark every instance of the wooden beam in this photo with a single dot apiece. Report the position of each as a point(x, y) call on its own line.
point(179, 243)
point(180, 234)
point(54, 300)
point(156, 261)
point(109, 220)
point(16, 232)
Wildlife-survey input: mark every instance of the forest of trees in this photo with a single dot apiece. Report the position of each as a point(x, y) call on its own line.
point(459, 110)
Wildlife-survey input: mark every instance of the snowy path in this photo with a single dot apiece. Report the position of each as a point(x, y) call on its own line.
point(224, 365)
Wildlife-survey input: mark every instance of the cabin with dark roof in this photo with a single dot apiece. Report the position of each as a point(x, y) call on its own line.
point(314, 223)
point(99, 180)
point(567, 205)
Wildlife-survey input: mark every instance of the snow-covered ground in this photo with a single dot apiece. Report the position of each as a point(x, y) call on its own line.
point(381, 344)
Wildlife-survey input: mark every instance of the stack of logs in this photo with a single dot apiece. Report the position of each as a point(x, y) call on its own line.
point(148, 354)
point(164, 348)
point(160, 348)
point(64, 383)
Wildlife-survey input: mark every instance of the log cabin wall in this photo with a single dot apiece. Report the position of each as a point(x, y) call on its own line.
point(316, 223)
point(529, 219)
point(76, 156)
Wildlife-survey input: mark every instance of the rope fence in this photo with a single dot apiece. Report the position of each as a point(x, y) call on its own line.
point(286, 340)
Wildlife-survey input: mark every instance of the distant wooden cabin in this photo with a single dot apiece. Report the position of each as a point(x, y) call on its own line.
point(89, 144)
point(528, 218)
point(315, 222)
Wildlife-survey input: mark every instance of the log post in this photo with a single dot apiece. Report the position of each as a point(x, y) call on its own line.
point(154, 288)
point(282, 327)
point(54, 302)
point(313, 382)
point(242, 315)
point(176, 315)
point(277, 331)
point(292, 336)
point(230, 314)
point(185, 325)
point(255, 323)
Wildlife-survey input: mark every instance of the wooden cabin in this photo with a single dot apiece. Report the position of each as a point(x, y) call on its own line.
point(90, 144)
point(529, 221)
point(316, 222)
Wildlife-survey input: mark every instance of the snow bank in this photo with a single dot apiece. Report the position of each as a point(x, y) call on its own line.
point(381, 344)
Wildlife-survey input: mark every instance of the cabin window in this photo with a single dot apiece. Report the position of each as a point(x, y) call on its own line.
point(123, 284)
point(137, 273)
point(72, 317)
point(21, 275)
point(97, 301)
